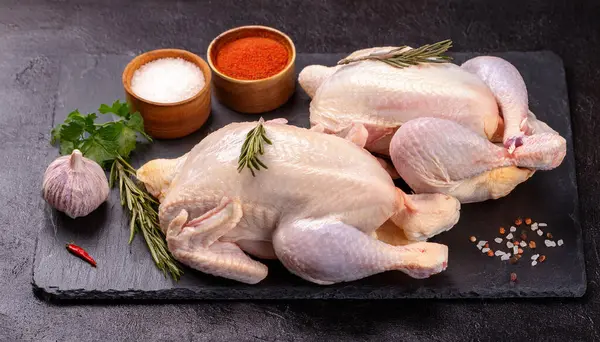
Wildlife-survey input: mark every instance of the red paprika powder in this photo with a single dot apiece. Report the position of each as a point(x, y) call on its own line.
point(252, 58)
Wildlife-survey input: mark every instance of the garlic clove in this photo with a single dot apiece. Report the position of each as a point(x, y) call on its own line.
point(75, 185)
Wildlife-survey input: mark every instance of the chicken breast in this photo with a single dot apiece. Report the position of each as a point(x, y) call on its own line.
point(374, 99)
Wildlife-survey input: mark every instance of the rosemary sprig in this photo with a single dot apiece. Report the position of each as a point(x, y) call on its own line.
point(402, 57)
point(144, 216)
point(253, 145)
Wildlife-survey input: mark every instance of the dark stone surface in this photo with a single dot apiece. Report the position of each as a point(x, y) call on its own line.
point(129, 273)
point(35, 34)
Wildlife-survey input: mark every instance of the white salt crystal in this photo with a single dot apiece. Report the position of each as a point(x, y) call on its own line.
point(542, 224)
point(509, 236)
point(548, 243)
point(560, 242)
point(480, 244)
point(505, 257)
point(534, 226)
point(509, 244)
point(513, 229)
point(533, 263)
point(523, 244)
point(540, 232)
point(167, 80)
point(499, 253)
point(515, 250)
point(535, 256)
point(498, 240)
point(485, 250)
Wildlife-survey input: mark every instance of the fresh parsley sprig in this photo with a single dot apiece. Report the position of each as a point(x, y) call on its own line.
point(110, 144)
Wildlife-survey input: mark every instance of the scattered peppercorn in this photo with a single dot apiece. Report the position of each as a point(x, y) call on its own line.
point(518, 221)
point(520, 250)
point(549, 235)
point(518, 256)
point(502, 230)
point(513, 260)
point(490, 253)
point(542, 258)
point(523, 236)
point(532, 244)
point(513, 277)
point(528, 221)
point(487, 245)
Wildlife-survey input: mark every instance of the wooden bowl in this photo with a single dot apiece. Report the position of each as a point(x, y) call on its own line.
point(170, 120)
point(253, 96)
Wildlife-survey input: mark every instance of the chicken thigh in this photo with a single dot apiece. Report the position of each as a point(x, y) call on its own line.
point(440, 156)
point(317, 208)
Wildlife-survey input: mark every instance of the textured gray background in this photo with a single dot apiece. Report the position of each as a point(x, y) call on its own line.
point(35, 34)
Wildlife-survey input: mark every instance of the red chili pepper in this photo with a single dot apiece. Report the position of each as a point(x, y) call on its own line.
point(80, 252)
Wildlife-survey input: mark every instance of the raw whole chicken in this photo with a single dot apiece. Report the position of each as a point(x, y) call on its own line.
point(472, 106)
point(440, 156)
point(317, 208)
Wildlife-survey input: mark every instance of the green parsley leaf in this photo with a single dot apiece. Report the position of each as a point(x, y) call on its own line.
point(89, 123)
point(126, 141)
point(67, 147)
point(117, 108)
point(103, 145)
point(71, 131)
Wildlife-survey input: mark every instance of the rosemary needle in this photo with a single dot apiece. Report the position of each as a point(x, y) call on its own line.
point(403, 56)
point(252, 147)
point(144, 217)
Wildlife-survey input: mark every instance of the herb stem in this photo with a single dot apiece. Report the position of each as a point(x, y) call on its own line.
point(404, 56)
point(144, 217)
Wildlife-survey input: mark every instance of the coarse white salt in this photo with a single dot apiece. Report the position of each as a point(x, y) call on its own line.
point(523, 244)
point(560, 242)
point(485, 250)
point(480, 244)
point(499, 253)
point(549, 243)
point(509, 244)
point(534, 226)
point(509, 236)
point(498, 240)
point(535, 256)
point(515, 250)
point(533, 263)
point(167, 80)
point(542, 224)
point(513, 229)
point(505, 257)
point(540, 232)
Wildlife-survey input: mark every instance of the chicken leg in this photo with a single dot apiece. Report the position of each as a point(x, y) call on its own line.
point(326, 251)
point(508, 87)
point(441, 156)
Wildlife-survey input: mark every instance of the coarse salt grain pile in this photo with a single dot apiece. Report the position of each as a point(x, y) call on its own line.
point(167, 80)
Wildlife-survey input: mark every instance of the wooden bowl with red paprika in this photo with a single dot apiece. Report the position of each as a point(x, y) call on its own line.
point(253, 68)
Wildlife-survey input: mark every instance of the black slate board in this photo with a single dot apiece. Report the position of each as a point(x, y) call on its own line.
point(128, 273)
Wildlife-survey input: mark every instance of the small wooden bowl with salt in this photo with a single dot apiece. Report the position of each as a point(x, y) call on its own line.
point(253, 68)
point(171, 89)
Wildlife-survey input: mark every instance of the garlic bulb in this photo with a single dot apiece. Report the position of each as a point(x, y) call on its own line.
point(75, 185)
